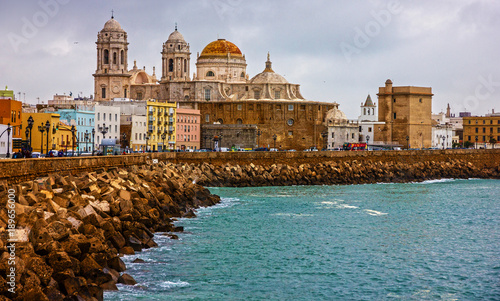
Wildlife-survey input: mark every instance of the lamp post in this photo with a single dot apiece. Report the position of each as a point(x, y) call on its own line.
point(163, 136)
point(124, 137)
point(8, 141)
point(30, 127)
point(73, 130)
point(407, 142)
point(86, 137)
point(47, 128)
point(274, 138)
point(367, 141)
point(41, 128)
point(27, 132)
point(259, 132)
point(93, 145)
point(103, 130)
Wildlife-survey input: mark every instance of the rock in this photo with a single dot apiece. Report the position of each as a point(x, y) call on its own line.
point(138, 260)
point(127, 279)
point(135, 243)
point(117, 264)
point(127, 250)
point(109, 286)
point(59, 261)
point(42, 270)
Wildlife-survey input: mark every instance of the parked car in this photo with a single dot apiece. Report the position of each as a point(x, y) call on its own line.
point(273, 149)
point(36, 155)
point(261, 149)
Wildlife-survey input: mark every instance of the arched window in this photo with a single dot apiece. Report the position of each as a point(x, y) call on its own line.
point(106, 56)
point(242, 75)
point(210, 73)
point(185, 66)
point(364, 110)
point(170, 65)
point(122, 58)
point(220, 121)
point(114, 58)
point(239, 121)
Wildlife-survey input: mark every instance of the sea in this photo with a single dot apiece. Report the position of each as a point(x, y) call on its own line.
point(432, 240)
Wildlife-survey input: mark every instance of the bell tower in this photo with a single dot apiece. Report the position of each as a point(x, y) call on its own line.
point(111, 78)
point(175, 58)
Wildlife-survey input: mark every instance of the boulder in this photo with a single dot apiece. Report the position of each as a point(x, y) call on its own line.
point(127, 279)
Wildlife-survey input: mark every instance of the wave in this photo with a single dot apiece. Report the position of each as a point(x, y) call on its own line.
point(173, 284)
point(345, 206)
point(292, 214)
point(436, 181)
point(374, 212)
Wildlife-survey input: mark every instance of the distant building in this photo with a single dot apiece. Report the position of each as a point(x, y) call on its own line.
point(68, 102)
point(161, 125)
point(39, 140)
point(11, 112)
point(188, 129)
point(368, 121)
point(83, 118)
point(406, 112)
point(107, 122)
point(340, 129)
point(482, 131)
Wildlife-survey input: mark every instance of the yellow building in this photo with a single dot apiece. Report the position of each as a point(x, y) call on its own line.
point(39, 125)
point(161, 118)
point(483, 131)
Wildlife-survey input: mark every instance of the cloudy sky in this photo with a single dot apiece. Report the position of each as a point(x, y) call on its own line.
point(338, 50)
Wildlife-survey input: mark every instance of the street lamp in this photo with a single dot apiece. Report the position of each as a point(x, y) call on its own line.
point(8, 141)
point(47, 128)
point(73, 130)
point(407, 142)
point(30, 127)
point(367, 141)
point(86, 137)
point(41, 128)
point(274, 138)
point(124, 136)
point(93, 145)
point(163, 136)
point(259, 132)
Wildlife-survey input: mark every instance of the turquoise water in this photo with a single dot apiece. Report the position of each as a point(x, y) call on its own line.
point(436, 240)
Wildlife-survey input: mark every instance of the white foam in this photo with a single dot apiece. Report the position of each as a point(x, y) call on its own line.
point(292, 214)
point(329, 203)
point(345, 206)
point(172, 284)
point(374, 212)
point(436, 181)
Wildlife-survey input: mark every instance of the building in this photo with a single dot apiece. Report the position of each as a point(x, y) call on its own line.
point(188, 127)
point(107, 122)
point(45, 134)
point(368, 121)
point(133, 123)
point(220, 88)
point(161, 126)
point(406, 114)
point(82, 118)
point(231, 137)
point(482, 131)
point(68, 102)
point(340, 129)
point(11, 112)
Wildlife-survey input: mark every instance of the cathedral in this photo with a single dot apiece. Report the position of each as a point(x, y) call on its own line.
point(220, 88)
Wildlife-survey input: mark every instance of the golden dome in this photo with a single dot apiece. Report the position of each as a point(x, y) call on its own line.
point(221, 47)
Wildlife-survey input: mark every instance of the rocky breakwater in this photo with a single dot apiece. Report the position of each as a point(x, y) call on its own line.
point(71, 230)
point(328, 173)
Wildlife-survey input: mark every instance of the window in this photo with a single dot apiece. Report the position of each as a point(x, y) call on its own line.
point(239, 121)
point(207, 94)
point(469, 138)
point(256, 94)
point(185, 65)
point(477, 130)
point(122, 59)
point(369, 130)
point(103, 92)
point(116, 128)
point(135, 136)
point(394, 100)
point(290, 133)
point(420, 100)
point(210, 74)
point(114, 58)
point(498, 130)
point(110, 117)
point(290, 122)
point(277, 94)
point(139, 95)
point(242, 75)
point(207, 118)
point(106, 56)
point(302, 107)
point(104, 116)
point(170, 65)
point(240, 107)
point(352, 135)
point(116, 117)
point(290, 107)
point(394, 115)
point(278, 107)
point(250, 107)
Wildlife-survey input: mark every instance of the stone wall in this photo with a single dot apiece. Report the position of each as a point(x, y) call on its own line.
point(17, 170)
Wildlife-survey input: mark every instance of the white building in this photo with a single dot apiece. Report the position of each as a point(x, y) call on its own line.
point(368, 121)
point(340, 129)
point(134, 119)
point(443, 131)
point(4, 141)
point(107, 122)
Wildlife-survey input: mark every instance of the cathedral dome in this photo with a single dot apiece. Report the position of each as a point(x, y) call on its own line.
point(176, 37)
point(335, 115)
point(268, 76)
point(112, 25)
point(221, 47)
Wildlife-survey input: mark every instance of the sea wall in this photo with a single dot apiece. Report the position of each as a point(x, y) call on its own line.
point(61, 236)
point(18, 170)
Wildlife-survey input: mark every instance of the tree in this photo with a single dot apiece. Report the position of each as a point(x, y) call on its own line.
point(468, 144)
point(492, 141)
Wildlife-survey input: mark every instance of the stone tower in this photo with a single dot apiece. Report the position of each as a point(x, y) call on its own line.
point(175, 58)
point(111, 79)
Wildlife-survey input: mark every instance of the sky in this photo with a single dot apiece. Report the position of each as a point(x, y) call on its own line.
point(338, 50)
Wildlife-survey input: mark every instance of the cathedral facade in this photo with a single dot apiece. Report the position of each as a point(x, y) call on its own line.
point(220, 88)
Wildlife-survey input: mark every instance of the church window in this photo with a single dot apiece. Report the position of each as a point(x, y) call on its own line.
point(246, 88)
point(373, 111)
point(277, 94)
point(240, 107)
point(103, 92)
point(394, 115)
point(278, 107)
point(256, 94)
point(122, 58)
point(114, 58)
point(139, 95)
point(290, 122)
point(125, 93)
point(242, 75)
point(302, 107)
point(170, 65)
point(179, 47)
point(333, 135)
point(185, 66)
point(207, 94)
point(210, 73)
point(239, 121)
point(290, 133)
point(106, 56)
point(207, 118)
point(290, 107)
